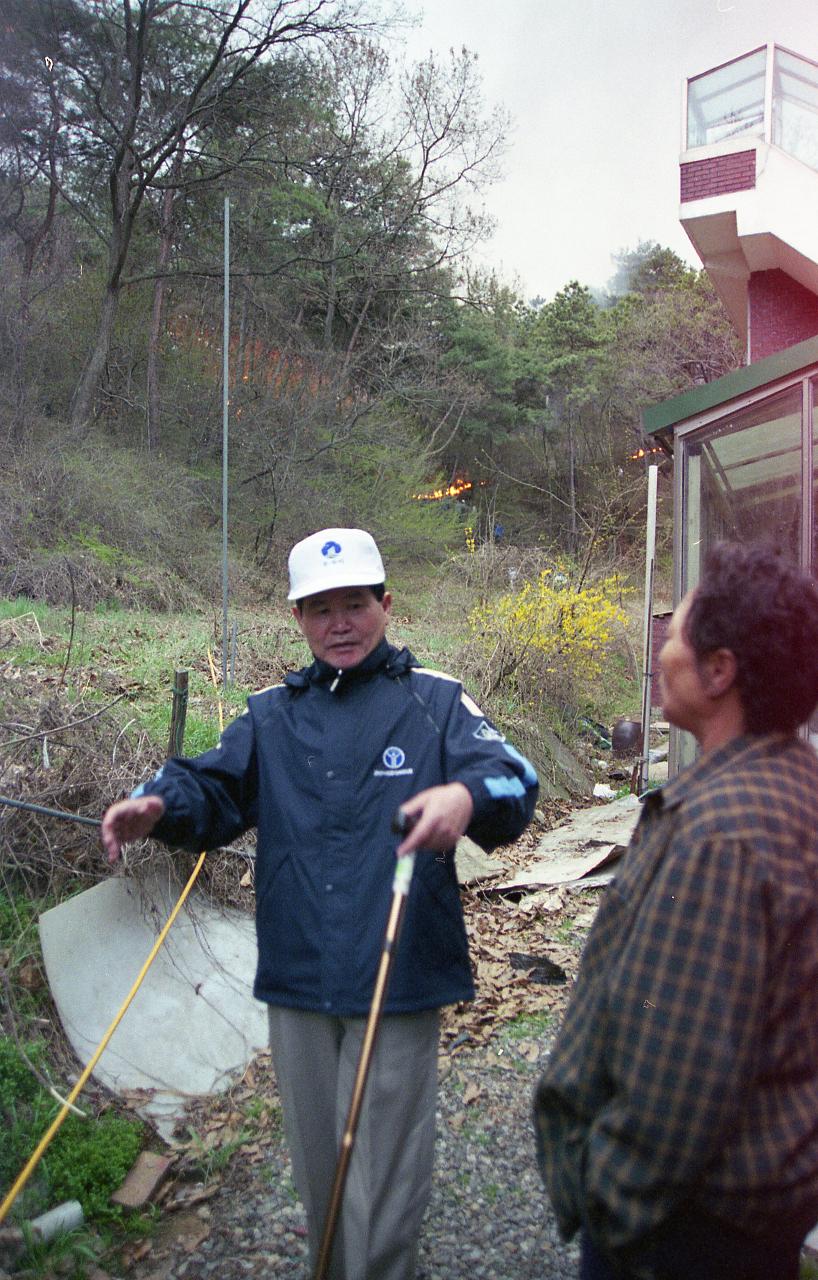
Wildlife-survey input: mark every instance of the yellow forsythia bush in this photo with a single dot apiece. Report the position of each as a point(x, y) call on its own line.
point(548, 632)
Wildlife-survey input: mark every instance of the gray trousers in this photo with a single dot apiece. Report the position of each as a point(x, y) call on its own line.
point(315, 1057)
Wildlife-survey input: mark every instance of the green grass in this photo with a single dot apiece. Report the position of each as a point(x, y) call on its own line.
point(114, 652)
point(88, 1160)
point(21, 605)
point(263, 1115)
point(209, 1161)
point(30, 655)
point(17, 915)
point(19, 943)
point(565, 931)
point(137, 652)
point(528, 1026)
point(68, 1256)
point(91, 540)
point(201, 733)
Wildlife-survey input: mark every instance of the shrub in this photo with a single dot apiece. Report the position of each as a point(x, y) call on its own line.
point(17, 1084)
point(88, 1160)
point(546, 643)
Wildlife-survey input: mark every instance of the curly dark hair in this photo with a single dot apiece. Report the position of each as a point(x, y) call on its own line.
point(765, 611)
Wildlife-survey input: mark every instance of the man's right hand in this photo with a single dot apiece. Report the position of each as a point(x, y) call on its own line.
point(129, 820)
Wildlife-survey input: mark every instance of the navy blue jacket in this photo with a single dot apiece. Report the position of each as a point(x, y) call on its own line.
point(319, 764)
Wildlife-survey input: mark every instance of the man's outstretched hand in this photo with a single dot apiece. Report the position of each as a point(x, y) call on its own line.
point(129, 820)
point(441, 816)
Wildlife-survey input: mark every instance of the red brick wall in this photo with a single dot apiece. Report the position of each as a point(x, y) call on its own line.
point(782, 312)
point(718, 175)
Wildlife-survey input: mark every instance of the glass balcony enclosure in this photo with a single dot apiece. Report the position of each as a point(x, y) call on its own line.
point(727, 102)
point(769, 93)
point(795, 107)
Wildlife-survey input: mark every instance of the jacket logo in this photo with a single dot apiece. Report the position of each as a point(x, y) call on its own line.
point(394, 759)
point(488, 733)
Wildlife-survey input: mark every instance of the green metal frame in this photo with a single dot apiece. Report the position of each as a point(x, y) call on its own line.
point(764, 374)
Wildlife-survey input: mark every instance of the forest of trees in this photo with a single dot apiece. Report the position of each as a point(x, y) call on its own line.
point(369, 360)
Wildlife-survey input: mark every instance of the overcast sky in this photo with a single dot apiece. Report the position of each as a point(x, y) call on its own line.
point(594, 90)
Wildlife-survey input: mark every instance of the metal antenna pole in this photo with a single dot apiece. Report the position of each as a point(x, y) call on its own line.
point(647, 636)
point(225, 403)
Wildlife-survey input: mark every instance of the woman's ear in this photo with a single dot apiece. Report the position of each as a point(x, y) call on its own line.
point(718, 671)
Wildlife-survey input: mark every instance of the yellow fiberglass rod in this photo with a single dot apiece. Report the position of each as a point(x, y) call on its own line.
point(63, 1112)
point(34, 1160)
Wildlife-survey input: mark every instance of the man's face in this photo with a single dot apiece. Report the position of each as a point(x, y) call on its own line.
point(685, 700)
point(344, 625)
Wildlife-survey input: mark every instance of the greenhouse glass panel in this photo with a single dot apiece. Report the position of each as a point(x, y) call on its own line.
point(742, 481)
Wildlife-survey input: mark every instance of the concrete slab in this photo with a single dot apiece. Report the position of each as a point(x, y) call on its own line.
point(473, 864)
point(194, 1021)
point(586, 842)
point(569, 776)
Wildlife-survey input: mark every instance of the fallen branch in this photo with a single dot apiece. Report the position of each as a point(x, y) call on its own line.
point(15, 742)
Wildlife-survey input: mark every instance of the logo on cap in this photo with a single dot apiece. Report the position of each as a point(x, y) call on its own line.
point(330, 550)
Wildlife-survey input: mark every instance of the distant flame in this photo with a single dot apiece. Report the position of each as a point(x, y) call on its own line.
point(453, 491)
point(643, 453)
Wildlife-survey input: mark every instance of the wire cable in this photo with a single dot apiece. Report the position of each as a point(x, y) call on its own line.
point(50, 813)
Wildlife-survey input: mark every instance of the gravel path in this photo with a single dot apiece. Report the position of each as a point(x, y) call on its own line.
point(488, 1218)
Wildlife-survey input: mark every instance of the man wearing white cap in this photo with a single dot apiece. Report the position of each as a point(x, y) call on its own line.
point(320, 764)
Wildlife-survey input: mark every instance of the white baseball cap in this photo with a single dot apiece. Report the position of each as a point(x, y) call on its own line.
point(334, 558)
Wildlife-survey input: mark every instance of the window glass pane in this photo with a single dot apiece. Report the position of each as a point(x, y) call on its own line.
point(727, 102)
point(795, 107)
point(742, 481)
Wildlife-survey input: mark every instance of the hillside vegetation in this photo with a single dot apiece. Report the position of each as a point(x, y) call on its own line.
point(367, 360)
